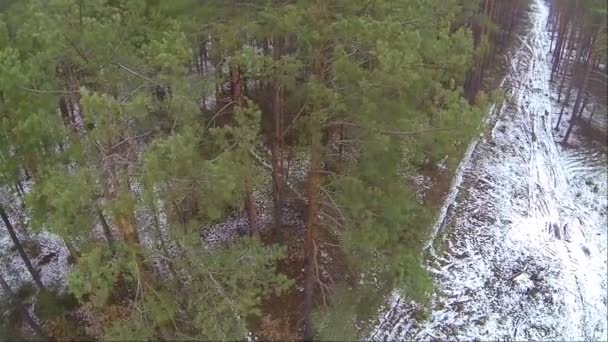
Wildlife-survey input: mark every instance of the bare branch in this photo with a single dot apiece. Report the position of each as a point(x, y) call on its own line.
point(284, 133)
point(78, 51)
point(335, 205)
point(135, 73)
point(126, 97)
point(218, 113)
point(130, 139)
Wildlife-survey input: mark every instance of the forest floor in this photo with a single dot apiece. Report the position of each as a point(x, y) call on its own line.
point(520, 247)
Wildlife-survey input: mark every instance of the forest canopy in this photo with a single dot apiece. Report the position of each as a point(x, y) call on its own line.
point(230, 167)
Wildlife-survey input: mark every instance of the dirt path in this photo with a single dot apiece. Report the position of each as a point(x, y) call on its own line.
point(524, 227)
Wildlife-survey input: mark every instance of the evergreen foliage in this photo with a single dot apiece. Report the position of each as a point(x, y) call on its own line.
point(151, 123)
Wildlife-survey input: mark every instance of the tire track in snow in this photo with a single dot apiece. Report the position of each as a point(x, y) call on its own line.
point(526, 255)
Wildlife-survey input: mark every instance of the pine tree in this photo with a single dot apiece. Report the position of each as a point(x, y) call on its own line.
point(149, 122)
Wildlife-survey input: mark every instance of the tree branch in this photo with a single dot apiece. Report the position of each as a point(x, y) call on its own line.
point(50, 91)
point(424, 130)
point(135, 73)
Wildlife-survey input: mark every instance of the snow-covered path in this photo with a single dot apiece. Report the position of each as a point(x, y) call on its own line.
point(523, 233)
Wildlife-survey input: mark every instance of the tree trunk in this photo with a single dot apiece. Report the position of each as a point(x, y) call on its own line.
point(250, 208)
point(74, 254)
point(577, 104)
point(128, 230)
point(312, 190)
point(566, 102)
point(558, 49)
point(107, 232)
point(582, 110)
point(592, 113)
point(236, 85)
point(310, 241)
point(65, 113)
point(277, 142)
point(585, 83)
point(564, 77)
point(26, 315)
point(124, 219)
point(26, 259)
point(20, 189)
point(552, 35)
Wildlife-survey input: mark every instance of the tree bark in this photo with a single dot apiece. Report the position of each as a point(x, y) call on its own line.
point(585, 83)
point(582, 110)
point(563, 24)
point(26, 315)
point(26, 259)
point(107, 232)
point(310, 241)
point(592, 113)
point(125, 221)
point(564, 76)
point(277, 142)
point(250, 208)
point(236, 84)
point(312, 189)
point(65, 113)
point(74, 254)
point(577, 103)
point(128, 230)
point(568, 94)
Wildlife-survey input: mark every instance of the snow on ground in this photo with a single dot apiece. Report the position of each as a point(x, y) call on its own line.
point(524, 227)
point(47, 252)
point(237, 224)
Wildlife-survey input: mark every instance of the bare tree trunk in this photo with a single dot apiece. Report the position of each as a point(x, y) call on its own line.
point(566, 102)
point(163, 245)
point(570, 87)
point(128, 230)
point(555, 18)
point(310, 241)
point(250, 208)
point(585, 103)
point(564, 77)
point(20, 189)
point(585, 81)
point(577, 103)
point(26, 259)
point(74, 254)
point(277, 142)
point(566, 64)
point(124, 219)
point(26, 315)
point(65, 113)
point(592, 113)
point(107, 232)
point(312, 212)
point(559, 48)
point(236, 85)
